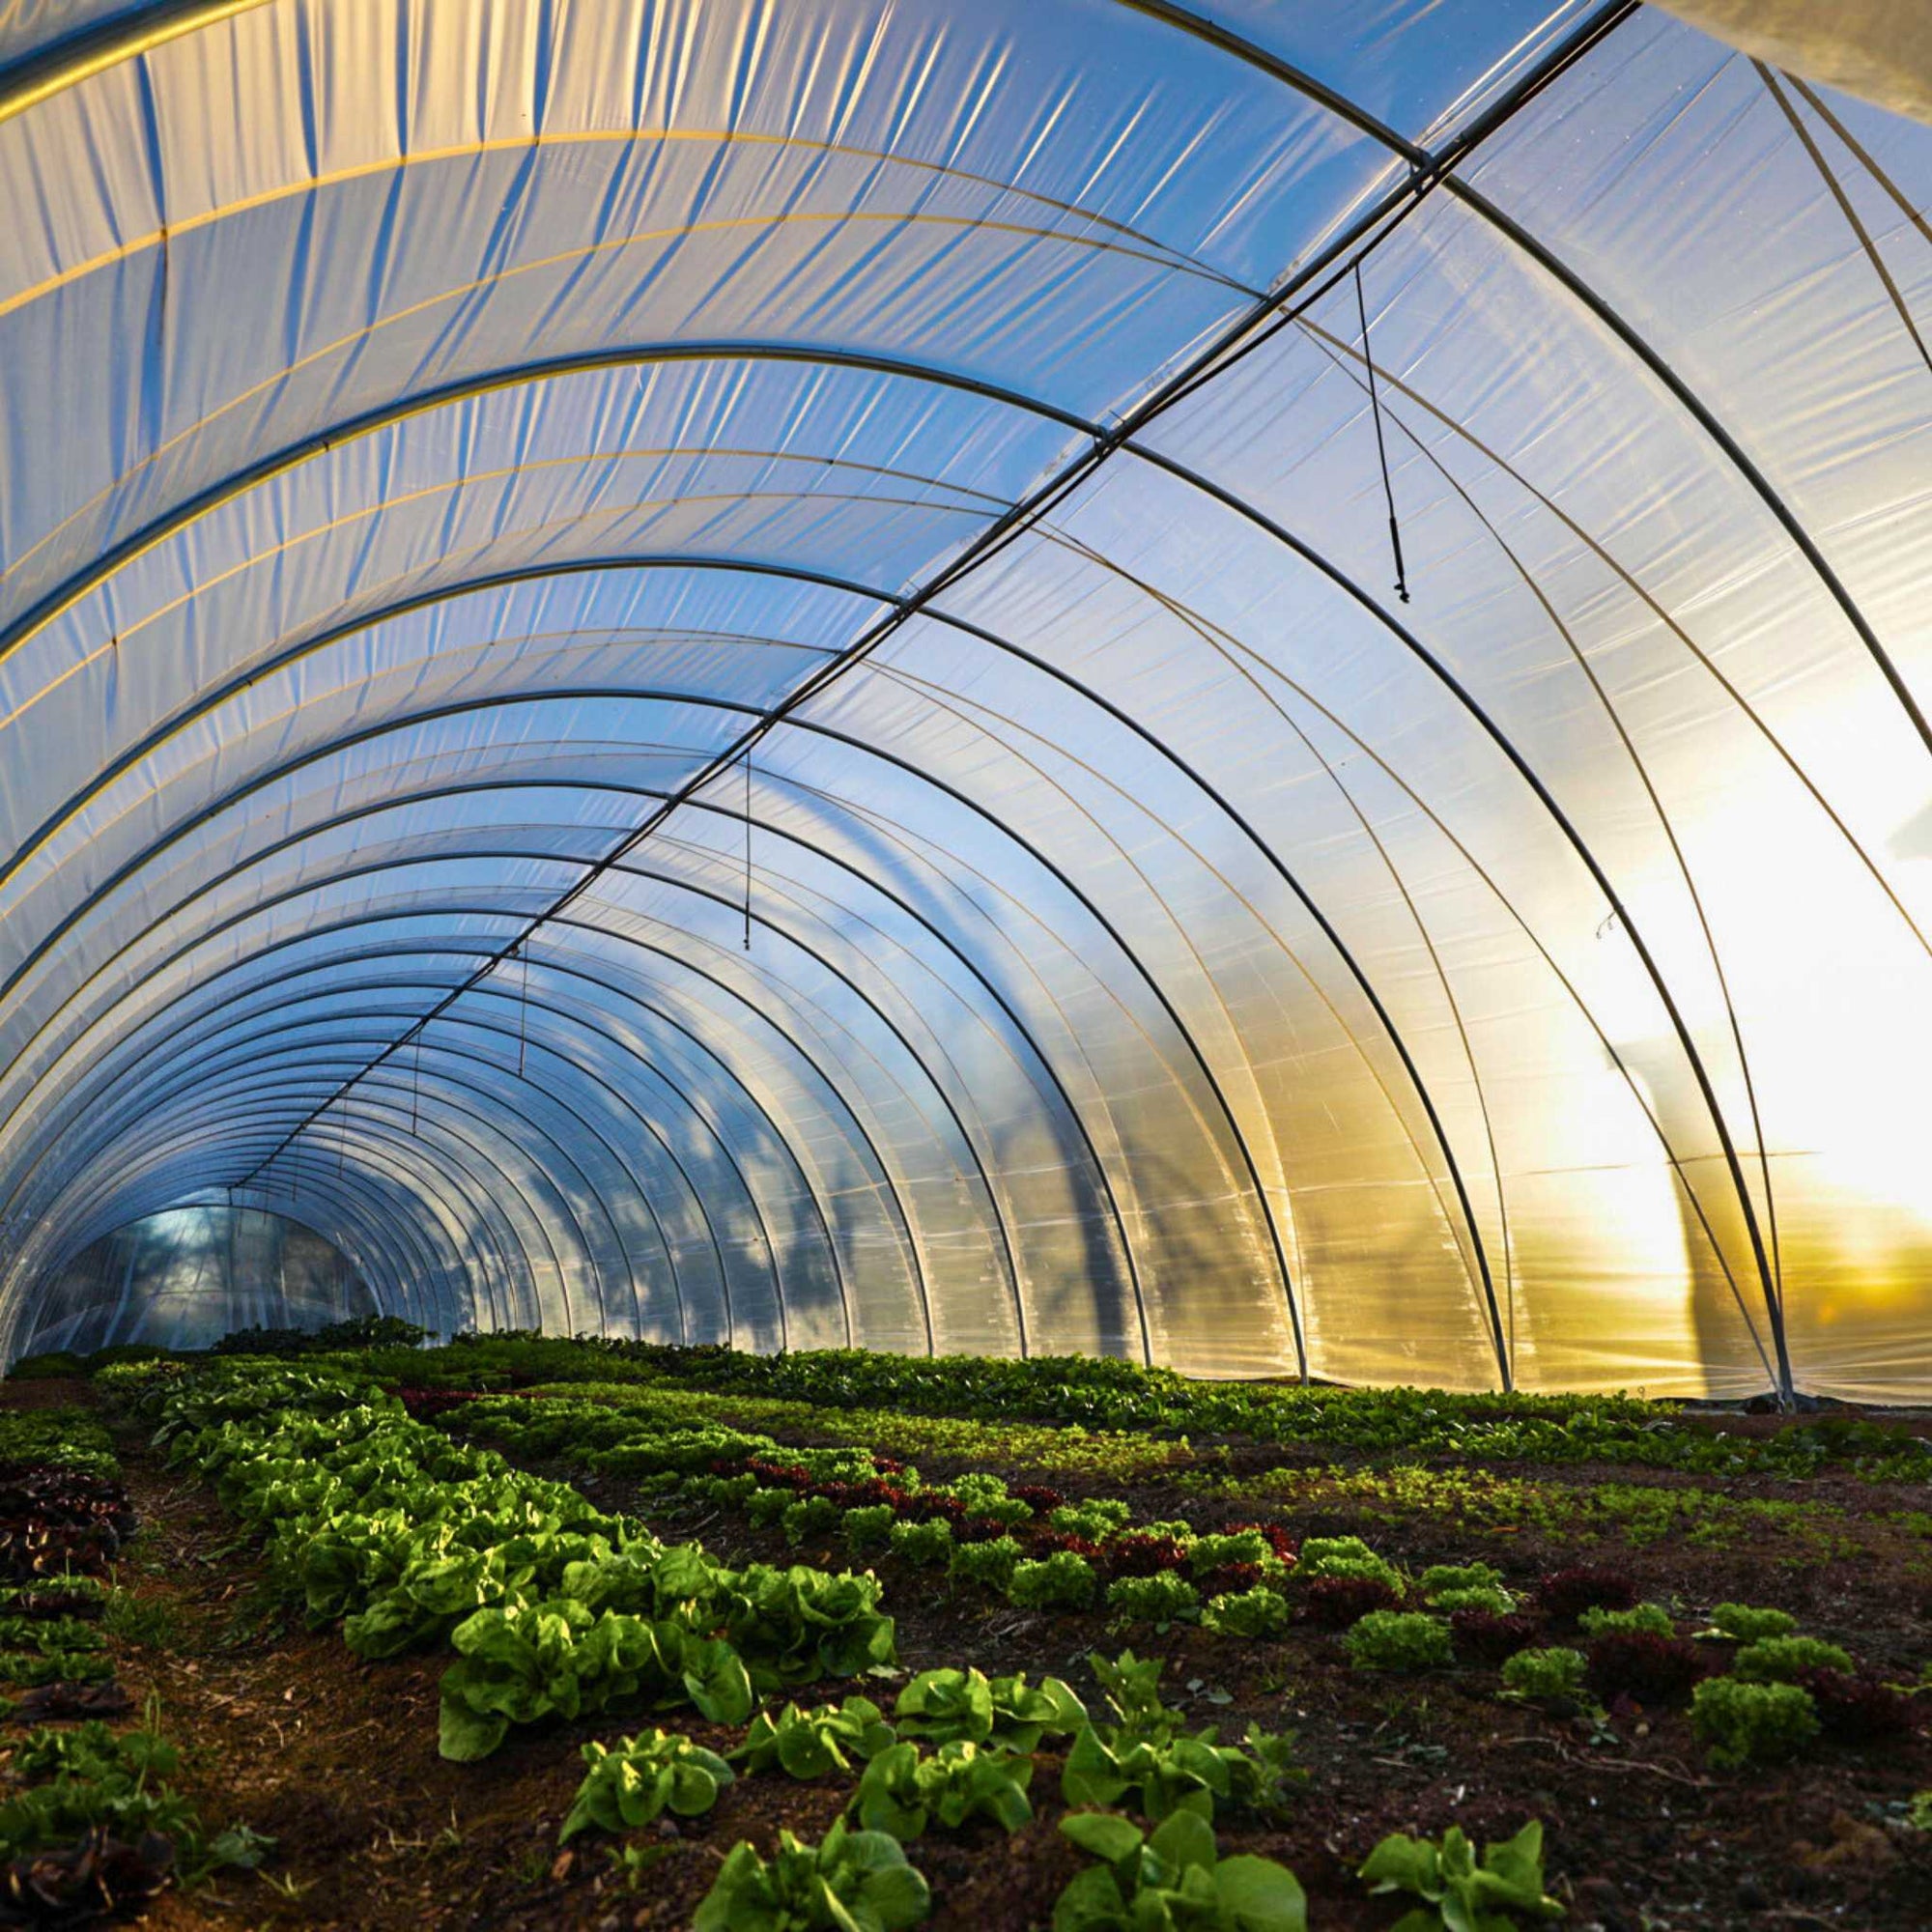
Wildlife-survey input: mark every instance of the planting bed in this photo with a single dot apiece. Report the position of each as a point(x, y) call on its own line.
point(1402, 1614)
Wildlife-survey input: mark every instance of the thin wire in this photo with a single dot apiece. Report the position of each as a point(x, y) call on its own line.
point(748, 848)
point(1382, 448)
point(417, 1087)
point(524, 1006)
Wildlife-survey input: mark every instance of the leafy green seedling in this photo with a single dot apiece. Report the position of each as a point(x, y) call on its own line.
point(1398, 1640)
point(630, 1782)
point(1458, 1893)
point(1741, 1624)
point(902, 1792)
point(944, 1705)
point(1256, 1613)
point(1646, 1619)
point(1534, 1676)
point(850, 1881)
point(1160, 1600)
point(1784, 1659)
point(1741, 1722)
point(808, 1744)
point(1063, 1582)
point(1171, 1880)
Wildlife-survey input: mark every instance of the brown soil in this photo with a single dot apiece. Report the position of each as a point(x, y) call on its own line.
point(284, 1730)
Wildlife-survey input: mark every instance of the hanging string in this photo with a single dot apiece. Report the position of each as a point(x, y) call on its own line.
point(416, 1086)
point(748, 848)
point(524, 1007)
point(1382, 448)
point(342, 1144)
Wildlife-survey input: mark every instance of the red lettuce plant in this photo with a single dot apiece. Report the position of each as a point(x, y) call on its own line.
point(1337, 1603)
point(1569, 1593)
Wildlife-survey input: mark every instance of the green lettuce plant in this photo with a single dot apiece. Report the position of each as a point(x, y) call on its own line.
point(851, 1881)
point(1345, 1556)
point(1784, 1659)
point(1160, 1600)
point(1062, 1582)
point(1170, 1880)
point(1398, 1640)
point(1537, 1675)
point(630, 1782)
point(1257, 1613)
point(1740, 1722)
point(941, 1706)
point(1740, 1623)
point(1457, 1893)
point(928, 1544)
point(902, 1792)
point(808, 1744)
point(1643, 1619)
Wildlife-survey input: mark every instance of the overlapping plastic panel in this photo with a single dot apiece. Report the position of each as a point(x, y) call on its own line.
point(732, 673)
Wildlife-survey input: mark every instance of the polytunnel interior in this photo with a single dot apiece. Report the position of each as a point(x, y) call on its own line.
point(1243, 686)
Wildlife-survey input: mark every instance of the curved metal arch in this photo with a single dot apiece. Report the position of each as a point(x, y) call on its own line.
point(446, 1173)
point(412, 949)
point(790, 837)
point(810, 1060)
point(1472, 1226)
point(375, 1258)
point(79, 56)
point(483, 1206)
point(235, 686)
point(573, 567)
point(440, 1121)
point(615, 1094)
point(187, 1127)
point(750, 1099)
point(1441, 173)
point(1573, 836)
point(65, 595)
point(1410, 642)
point(443, 1301)
point(434, 1297)
point(384, 1234)
point(187, 1085)
point(844, 979)
point(1073, 890)
point(611, 1094)
point(1309, 554)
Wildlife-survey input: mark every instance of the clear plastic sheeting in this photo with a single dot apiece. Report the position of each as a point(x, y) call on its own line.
point(187, 1276)
point(739, 673)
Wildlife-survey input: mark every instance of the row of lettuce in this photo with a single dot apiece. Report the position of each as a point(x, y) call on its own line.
point(1043, 1551)
point(1104, 1394)
point(91, 1818)
point(556, 1610)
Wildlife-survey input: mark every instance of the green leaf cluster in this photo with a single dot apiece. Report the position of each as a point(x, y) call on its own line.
point(852, 1881)
point(1742, 1623)
point(1171, 1880)
point(1741, 1722)
point(1459, 1893)
point(1784, 1659)
point(634, 1781)
point(903, 1792)
point(1535, 1675)
point(1162, 1598)
point(942, 1706)
point(1398, 1640)
point(808, 1744)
